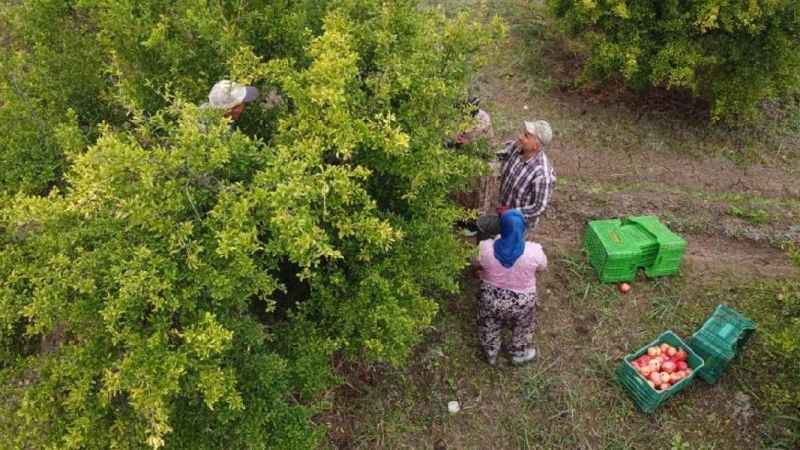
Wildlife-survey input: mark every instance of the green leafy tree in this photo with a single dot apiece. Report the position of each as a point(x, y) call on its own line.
point(104, 59)
point(733, 53)
point(185, 283)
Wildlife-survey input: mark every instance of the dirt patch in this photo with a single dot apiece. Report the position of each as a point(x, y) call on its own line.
point(671, 169)
point(715, 254)
point(617, 135)
point(705, 253)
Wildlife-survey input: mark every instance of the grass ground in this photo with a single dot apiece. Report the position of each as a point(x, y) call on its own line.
point(731, 193)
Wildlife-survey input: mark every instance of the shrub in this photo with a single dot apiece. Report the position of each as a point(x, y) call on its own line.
point(48, 66)
point(734, 54)
point(186, 284)
point(104, 59)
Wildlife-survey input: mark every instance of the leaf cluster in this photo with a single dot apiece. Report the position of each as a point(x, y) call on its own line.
point(735, 54)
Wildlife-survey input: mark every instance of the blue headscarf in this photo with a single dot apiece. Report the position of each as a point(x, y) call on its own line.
point(511, 244)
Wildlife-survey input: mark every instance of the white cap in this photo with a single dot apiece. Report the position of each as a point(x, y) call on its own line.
point(541, 130)
point(226, 94)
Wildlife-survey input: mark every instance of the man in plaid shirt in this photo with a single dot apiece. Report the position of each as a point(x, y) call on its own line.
point(527, 178)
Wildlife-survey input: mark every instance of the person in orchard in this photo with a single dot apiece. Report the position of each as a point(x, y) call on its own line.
point(479, 131)
point(527, 178)
point(481, 127)
point(507, 267)
point(231, 97)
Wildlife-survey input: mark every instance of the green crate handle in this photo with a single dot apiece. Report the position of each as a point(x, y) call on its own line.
point(726, 331)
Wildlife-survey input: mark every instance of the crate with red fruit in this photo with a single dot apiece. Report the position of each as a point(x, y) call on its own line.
point(658, 371)
point(663, 366)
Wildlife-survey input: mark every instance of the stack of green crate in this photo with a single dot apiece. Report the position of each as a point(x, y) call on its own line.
point(720, 339)
point(645, 397)
point(614, 254)
point(671, 247)
point(618, 248)
point(646, 241)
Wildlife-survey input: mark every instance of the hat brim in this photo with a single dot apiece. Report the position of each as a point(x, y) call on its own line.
point(530, 128)
point(250, 94)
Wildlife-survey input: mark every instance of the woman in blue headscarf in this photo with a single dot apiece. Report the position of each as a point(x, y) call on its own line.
point(508, 288)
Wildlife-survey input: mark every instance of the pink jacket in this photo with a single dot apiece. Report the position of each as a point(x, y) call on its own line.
point(521, 277)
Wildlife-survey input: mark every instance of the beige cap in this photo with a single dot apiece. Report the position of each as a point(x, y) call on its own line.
point(541, 130)
point(226, 94)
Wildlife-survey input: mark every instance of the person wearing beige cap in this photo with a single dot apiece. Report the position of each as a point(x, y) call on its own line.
point(527, 178)
point(231, 97)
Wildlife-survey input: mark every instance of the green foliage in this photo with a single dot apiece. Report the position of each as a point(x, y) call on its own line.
point(735, 54)
point(185, 283)
point(48, 69)
point(782, 338)
point(106, 59)
point(775, 355)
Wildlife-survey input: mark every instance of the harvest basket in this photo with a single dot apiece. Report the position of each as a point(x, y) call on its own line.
point(618, 248)
point(670, 250)
point(646, 398)
point(614, 255)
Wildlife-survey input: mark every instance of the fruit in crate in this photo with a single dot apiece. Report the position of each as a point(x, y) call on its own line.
point(662, 366)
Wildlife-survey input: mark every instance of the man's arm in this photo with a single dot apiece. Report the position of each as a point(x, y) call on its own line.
point(480, 128)
point(504, 156)
point(539, 196)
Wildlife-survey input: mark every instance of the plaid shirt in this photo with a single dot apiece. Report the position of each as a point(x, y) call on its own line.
point(527, 185)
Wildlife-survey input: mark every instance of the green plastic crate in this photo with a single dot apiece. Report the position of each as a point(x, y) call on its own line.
point(646, 398)
point(720, 339)
point(614, 256)
point(618, 248)
point(647, 243)
point(671, 247)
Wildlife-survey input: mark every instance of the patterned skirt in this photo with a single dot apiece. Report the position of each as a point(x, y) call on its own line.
point(500, 308)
